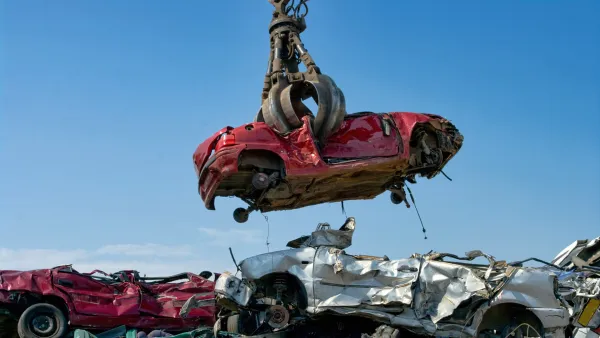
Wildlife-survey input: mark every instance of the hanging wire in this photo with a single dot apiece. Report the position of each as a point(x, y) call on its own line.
point(446, 176)
point(417, 209)
point(267, 241)
point(344, 210)
point(268, 231)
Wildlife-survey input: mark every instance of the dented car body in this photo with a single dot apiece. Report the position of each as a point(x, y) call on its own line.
point(425, 294)
point(368, 154)
point(101, 301)
point(580, 285)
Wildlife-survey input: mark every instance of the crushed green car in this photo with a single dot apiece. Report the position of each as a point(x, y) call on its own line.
point(124, 332)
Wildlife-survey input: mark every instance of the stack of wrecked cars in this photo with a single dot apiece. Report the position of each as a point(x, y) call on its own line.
point(315, 288)
point(51, 302)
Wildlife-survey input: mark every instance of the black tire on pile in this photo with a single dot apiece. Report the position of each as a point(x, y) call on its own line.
point(29, 322)
point(385, 331)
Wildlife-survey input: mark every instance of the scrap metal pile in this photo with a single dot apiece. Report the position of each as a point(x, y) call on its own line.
point(290, 157)
point(316, 288)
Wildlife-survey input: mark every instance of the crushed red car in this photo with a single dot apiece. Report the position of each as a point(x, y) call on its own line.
point(50, 302)
point(367, 155)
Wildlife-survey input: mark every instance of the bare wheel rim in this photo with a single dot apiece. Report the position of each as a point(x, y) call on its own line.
point(43, 325)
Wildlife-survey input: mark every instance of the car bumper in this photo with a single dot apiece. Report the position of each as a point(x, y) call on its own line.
point(231, 292)
point(221, 165)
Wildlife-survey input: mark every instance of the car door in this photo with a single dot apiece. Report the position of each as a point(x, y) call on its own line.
point(344, 280)
point(97, 297)
point(363, 135)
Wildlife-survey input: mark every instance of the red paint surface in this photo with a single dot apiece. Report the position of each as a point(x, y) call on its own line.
point(96, 304)
point(359, 137)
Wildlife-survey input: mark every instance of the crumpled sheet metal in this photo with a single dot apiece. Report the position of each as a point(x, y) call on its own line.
point(420, 293)
point(564, 258)
point(581, 285)
point(444, 286)
point(93, 303)
point(36, 281)
point(325, 236)
point(342, 280)
point(229, 288)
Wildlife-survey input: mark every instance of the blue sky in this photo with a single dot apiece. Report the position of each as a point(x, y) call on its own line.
point(103, 104)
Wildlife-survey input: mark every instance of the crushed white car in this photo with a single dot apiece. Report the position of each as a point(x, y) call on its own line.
point(316, 284)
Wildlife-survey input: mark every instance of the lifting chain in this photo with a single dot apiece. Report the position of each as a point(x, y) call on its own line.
point(285, 86)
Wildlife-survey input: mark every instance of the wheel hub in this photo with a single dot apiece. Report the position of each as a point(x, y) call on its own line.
point(260, 181)
point(279, 316)
point(42, 324)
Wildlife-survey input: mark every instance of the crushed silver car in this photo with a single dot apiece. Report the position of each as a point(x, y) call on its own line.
point(316, 281)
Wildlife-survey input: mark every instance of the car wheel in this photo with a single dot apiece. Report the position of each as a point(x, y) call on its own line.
point(42, 321)
point(396, 198)
point(260, 181)
point(241, 215)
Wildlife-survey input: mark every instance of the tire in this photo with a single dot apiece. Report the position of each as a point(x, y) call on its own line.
point(396, 198)
point(42, 321)
point(241, 215)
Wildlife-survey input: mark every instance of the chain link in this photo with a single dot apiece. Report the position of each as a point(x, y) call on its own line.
point(295, 11)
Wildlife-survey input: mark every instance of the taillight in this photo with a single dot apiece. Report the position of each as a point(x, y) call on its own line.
point(228, 140)
point(225, 140)
point(597, 330)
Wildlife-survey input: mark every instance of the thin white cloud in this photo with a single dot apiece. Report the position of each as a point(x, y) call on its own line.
point(229, 237)
point(149, 249)
point(39, 258)
point(148, 259)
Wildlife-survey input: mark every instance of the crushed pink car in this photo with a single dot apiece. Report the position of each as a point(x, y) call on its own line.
point(50, 302)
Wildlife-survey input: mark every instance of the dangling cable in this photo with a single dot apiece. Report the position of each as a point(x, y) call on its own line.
point(446, 176)
point(417, 209)
point(344, 210)
point(268, 231)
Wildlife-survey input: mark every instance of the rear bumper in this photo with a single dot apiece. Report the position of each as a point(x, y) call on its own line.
point(221, 165)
